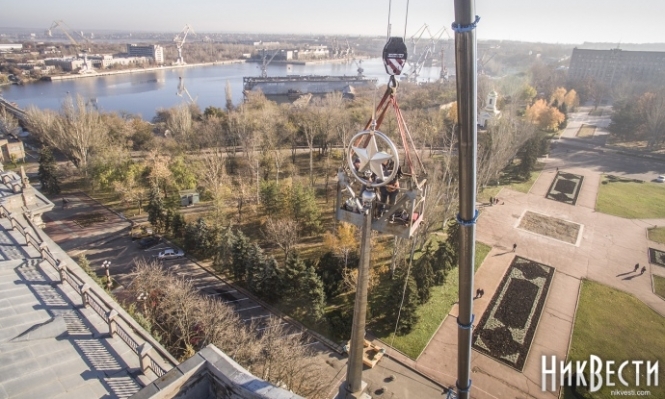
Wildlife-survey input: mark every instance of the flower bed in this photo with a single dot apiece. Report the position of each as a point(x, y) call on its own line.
point(509, 323)
point(565, 188)
point(656, 257)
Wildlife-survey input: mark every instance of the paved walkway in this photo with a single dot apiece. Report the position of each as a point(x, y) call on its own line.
point(609, 248)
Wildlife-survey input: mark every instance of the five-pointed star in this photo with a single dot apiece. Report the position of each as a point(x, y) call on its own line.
point(371, 155)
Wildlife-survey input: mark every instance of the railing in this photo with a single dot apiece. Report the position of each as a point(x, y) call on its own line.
point(118, 320)
point(127, 338)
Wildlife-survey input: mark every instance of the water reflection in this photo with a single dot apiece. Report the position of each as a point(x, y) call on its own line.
point(144, 93)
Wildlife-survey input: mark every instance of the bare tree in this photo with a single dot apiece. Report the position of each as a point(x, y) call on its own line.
point(76, 132)
point(179, 122)
point(213, 177)
point(7, 122)
point(283, 233)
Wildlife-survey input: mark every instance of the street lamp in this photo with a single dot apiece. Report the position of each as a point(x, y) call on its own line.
point(106, 265)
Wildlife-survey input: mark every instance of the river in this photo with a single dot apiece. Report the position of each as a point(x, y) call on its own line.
point(144, 93)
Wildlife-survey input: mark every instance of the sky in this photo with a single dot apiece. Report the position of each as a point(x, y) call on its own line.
point(554, 21)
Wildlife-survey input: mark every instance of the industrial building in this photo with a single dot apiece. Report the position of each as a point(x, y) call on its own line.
point(615, 65)
point(153, 51)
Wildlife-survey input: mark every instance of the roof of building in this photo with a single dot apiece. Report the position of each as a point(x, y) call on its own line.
point(51, 346)
point(63, 336)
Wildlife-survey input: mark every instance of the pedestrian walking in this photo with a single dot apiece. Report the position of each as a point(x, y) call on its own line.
point(477, 293)
point(482, 292)
point(514, 247)
point(491, 200)
point(637, 266)
point(644, 269)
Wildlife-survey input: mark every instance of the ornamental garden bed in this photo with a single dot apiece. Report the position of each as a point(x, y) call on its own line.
point(549, 226)
point(657, 257)
point(506, 330)
point(565, 188)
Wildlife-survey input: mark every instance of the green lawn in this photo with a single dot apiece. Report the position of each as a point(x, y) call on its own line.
point(509, 178)
point(586, 131)
point(657, 234)
point(632, 200)
point(616, 326)
point(432, 313)
point(659, 286)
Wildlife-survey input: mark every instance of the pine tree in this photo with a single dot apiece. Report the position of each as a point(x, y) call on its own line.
point(270, 197)
point(407, 316)
point(48, 176)
point(423, 274)
point(302, 203)
point(269, 281)
point(178, 224)
point(293, 268)
point(156, 209)
point(222, 256)
point(239, 255)
point(254, 263)
point(313, 294)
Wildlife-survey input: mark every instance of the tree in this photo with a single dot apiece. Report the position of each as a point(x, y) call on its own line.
point(402, 314)
point(223, 256)
point(313, 294)
point(156, 209)
point(268, 280)
point(48, 171)
point(179, 122)
point(294, 267)
point(530, 151)
point(182, 175)
point(76, 132)
point(301, 202)
point(423, 274)
point(239, 256)
point(214, 179)
point(331, 270)
point(8, 123)
point(283, 233)
point(344, 242)
point(270, 197)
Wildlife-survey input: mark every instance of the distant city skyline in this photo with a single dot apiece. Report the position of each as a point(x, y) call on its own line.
point(563, 21)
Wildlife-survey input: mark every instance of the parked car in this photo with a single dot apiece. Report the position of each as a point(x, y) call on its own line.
point(149, 242)
point(170, 253)
point(660, 179)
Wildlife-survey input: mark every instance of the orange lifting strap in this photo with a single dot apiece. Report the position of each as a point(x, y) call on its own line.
point(390, 98)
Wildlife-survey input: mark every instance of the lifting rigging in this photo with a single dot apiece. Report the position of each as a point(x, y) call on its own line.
point(181, 42)
point(400, 209)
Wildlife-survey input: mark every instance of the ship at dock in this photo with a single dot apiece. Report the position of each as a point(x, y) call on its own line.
point(295, 85)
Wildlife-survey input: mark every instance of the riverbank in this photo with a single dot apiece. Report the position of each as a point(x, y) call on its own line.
point(138, 70)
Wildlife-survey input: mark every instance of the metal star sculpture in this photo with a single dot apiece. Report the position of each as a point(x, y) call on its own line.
point(370, 157)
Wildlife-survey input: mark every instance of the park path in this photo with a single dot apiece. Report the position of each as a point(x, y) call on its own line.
point(606, 252)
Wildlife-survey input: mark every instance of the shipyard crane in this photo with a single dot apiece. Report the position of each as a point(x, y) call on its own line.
point(86, 68)
point(264, 64)
point(180, 42)
point(360, 69)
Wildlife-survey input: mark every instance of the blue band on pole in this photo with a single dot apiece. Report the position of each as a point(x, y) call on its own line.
point(467, 222)
point(465, 28)
point(466, 326)
point(463, 390)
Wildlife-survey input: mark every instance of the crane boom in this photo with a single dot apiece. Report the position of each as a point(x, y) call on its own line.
point(64, 28)
point(181, 42)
